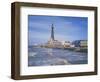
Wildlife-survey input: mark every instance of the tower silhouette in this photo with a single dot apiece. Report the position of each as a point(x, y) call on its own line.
point(52, 32)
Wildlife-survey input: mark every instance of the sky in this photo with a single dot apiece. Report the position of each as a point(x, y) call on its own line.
point(66, 28)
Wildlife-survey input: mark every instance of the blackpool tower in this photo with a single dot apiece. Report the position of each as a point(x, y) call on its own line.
point(52, 33)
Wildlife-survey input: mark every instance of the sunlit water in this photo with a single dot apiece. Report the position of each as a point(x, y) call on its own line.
point(48, 56)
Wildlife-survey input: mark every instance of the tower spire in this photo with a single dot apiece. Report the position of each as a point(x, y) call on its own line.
point(52, 32)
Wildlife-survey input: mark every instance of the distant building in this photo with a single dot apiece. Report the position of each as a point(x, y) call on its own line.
point(83, 43)
point(72, 45)
point(79, 43)
point(54, 44)
point(76, 43)
point(66, 44)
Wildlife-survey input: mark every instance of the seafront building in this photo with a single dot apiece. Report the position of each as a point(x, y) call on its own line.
point(66, 44)
point(79, 43)
point(83, 43)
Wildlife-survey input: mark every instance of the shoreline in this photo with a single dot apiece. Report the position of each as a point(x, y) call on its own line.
point(76, 49)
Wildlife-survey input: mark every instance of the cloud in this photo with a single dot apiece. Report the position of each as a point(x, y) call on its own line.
point(65, 28)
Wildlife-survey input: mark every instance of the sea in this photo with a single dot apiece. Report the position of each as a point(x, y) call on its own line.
point(39, 56)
